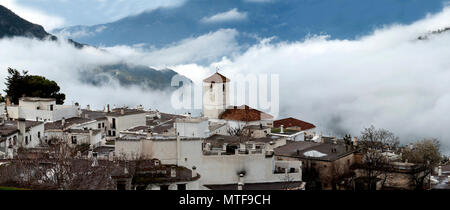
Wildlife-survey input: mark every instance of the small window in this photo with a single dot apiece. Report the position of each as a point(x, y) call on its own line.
point(103, 125)
point(74, 139)
point(109, 133)
point(114, 133)
point(99, 125)
point(39, 134)
point(51, 107)
point(26, 140)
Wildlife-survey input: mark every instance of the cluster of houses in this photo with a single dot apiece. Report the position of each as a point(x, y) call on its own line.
point(228, 148)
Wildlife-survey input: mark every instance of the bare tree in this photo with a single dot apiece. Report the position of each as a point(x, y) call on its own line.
point(426, 154)
point(375, 166)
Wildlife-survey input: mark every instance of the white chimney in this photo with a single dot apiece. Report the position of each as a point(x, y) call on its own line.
point(111, 156)
point(241, 182)
point(440, 171)
point(282, 129)
point(194, 171)
point(88, 107)
point(122, 111)
point(63, 122)
point(173, 172)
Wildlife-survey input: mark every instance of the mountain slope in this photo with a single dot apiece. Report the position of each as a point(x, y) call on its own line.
point(13, 25)
point(289, 20)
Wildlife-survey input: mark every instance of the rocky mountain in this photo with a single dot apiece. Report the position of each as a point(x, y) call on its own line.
point(288, 20)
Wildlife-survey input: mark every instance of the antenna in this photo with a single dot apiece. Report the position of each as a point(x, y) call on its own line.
point(217, 69)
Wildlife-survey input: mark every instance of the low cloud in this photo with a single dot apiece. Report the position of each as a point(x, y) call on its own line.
point(231, 15)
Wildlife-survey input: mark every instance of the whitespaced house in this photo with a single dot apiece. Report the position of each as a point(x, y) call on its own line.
point(19, 134)
point(122, 119)
point(221, 160)
point(41, 109)
point(76, 131)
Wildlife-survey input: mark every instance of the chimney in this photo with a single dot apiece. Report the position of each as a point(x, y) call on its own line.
point(21, 126)
point(322, 140)
point(107, 108)
point(88, 107)
point(86, 116)
point(8, 101)
point(224, 147)
point(282, 129)
point(173, 171)
point(95, 163)
point(111, 156)
point(90, 155)
point(440, 171)
point(63, 122)
point(122, 111)
point(149, 134)
point(194, 171)
point(241, 182)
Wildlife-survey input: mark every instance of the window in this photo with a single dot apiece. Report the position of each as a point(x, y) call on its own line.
point(223, 87)
point(51, 107)
point(109, 133)
point(39, 134)
point(114, 133)
point(74, 139)
point(103, 125)
point(181, 186)
point(99, 125)
point(114, 123)
point(26, 140)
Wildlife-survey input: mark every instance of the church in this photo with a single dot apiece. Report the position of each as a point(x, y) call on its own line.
point(217, 108)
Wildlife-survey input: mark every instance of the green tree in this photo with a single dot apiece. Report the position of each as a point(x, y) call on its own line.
point(20, 84)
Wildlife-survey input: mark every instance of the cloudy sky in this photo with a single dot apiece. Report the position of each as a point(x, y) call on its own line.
point(388, 78)
point(59, 13)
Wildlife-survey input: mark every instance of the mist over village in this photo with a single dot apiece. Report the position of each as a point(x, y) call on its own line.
point(239, 95)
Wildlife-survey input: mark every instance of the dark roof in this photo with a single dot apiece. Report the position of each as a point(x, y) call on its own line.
point(244, 113)
point(95, 115)
point(298, 148)
point(10, 127)
point(217, 78)
point(34, 99)
point(118, 112)
point(292, 122)
point(57, 125)
point(218, 140)
point(258, 186)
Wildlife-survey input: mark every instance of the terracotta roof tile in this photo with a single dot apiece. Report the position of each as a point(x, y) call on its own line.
point(217, 78)
point(292, 122)
point(244, 113)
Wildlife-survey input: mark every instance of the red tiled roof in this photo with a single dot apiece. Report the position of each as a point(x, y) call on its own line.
point(292, 122)
point(244, 113)
point(217, 78)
